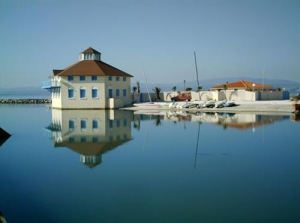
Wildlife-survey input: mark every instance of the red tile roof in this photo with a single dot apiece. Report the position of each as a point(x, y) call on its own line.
point(92, 68)
point(241, 85)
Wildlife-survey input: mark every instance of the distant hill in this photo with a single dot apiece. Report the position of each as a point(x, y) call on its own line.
point(291, 86)
point(24, 91)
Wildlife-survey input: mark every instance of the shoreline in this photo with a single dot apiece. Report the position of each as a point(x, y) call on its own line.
point(275, 106)
point(282, 106)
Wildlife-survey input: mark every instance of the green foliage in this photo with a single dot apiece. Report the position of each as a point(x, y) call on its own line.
point(134, 88)
point(157, 90)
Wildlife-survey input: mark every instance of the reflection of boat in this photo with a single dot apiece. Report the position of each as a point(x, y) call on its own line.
point(296, 118)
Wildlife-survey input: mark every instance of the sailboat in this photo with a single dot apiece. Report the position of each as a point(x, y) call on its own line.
point(149, 104)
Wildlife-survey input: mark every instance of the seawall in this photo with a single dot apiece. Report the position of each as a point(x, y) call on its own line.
point(25, 101)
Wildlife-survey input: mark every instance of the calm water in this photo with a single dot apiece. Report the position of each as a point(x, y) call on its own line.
point(117, 166)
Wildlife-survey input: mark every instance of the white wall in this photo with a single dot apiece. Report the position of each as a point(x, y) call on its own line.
point(62, 101)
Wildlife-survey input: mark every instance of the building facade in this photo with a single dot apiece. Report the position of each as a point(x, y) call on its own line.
point(89, 84)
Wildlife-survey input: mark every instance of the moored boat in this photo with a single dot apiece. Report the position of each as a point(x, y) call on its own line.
point(296, 106)
point(150, 104)
point(229, 104)
point(209, 104)
point(220, 104)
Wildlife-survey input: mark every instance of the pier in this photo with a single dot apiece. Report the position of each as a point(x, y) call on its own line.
point(25, 101)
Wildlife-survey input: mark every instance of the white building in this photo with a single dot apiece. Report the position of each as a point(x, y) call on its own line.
point(89, 84)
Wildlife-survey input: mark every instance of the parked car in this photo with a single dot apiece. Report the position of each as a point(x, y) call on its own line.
point(183, 96)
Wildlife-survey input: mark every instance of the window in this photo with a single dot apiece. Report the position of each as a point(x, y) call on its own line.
point(82, 139)
point(110, 94)
point(94, 92)
point(124, 78)
point(95, 139)
point(95, 124)
point(82, 93)
point(118, 123)
point(71, 139)
point(70, 78)
point(117, 78)
point(94, 78)
point(83, 124)
point(124, 92)
point(111, 124)
point(71, 124)
point(125, 122)
point(71, 93)
point(117, 92)
point(82, 78)
point(110, 78)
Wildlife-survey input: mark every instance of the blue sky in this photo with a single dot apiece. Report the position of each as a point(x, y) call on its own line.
point(232, 38)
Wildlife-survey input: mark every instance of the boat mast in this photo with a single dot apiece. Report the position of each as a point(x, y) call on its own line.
point(147, 85)
point(196, 69)
point(263, 80)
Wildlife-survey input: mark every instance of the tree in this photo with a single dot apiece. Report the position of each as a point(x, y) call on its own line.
point(138, 86)
point(157, 91)
point(134, 88)
point(174, 88)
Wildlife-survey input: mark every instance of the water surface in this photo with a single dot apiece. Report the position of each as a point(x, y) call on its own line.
point(120, 166)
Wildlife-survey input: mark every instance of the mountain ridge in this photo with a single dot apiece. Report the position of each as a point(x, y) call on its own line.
point(292, 86)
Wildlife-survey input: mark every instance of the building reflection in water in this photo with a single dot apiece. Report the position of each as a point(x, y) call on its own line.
point(90, 133)
point(239, 121)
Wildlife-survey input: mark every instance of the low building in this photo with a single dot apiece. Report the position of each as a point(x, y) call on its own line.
point(89, 84)
point(248, 91)
point(242, 85)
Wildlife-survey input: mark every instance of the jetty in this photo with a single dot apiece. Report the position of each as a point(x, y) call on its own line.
point(25, 101)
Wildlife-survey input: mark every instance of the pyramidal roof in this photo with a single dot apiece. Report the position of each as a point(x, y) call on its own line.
point(92, 68)
point(90, 50)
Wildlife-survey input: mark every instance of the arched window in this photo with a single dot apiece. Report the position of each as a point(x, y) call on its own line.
point(94, 92)
point(82, 93)
point(71, 93)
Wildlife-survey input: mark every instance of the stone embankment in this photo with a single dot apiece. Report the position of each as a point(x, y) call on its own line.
point(25, 101)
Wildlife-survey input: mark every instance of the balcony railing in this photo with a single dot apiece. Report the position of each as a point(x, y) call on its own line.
point(50, 84)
